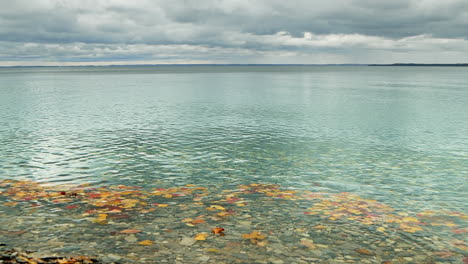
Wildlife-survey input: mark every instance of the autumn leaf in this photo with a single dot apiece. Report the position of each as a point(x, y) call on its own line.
point(217, 207)
point(410, 219)
point(319, 227)
point(145, 243)
point(381, 229)
point(197, 221)
point(254, 236)
point(130, 231)
point(364, 252)
point(101, 219)
point(218, 230)
point(71, 206)
point(201, 236)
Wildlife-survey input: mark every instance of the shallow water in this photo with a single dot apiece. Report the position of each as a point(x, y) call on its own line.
point(396, 135)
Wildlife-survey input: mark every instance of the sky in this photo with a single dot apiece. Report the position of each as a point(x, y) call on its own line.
point(103, 32)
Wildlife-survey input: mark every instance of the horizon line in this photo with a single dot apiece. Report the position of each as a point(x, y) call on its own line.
point(238, 64)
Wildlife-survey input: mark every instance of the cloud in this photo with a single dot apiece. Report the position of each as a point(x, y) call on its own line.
point(232, 31)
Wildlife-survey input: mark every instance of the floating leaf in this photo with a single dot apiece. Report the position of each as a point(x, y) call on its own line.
point(71, 206)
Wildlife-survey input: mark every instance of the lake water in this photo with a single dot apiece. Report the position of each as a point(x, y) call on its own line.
point(389, 137)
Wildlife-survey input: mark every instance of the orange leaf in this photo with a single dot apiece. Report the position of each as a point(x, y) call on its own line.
point(130, 231)
point(218, 230)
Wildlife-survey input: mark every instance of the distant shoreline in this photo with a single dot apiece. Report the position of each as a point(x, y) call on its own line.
point(424, 64)
point(197, 65)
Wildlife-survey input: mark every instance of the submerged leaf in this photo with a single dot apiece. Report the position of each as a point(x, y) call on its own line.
point(145, 243)
point(201, 236)
point(130, 231)
point(218, 230)
point(254, 236)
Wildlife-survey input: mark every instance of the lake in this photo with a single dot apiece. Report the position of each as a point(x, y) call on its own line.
point(299, 164)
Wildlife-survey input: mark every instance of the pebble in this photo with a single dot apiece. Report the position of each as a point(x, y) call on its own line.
point(131, 239)
point(204, 258)
point(187, 241)
point(114, 257)
point(276, 261)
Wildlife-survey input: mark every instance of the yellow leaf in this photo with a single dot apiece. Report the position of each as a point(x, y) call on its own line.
point(319, 227)
point(163, 205)
point(201, 236)
point(145, 243)
point(381, 229)
point(102, 217)
point(410, 219)
point(218, 207)
point(101, 222)
point(254, 236)
point(186, 220)
point(213, 250)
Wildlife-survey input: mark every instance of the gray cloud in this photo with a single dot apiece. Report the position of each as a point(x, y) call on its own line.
point(232, 30)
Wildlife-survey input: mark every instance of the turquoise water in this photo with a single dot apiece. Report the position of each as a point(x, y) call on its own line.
point(398, 135)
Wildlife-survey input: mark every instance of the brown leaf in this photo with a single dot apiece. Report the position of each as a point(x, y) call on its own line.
point(365, 252)
point(130, 231)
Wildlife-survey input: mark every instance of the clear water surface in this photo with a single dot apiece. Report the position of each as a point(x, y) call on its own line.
point(398, 135)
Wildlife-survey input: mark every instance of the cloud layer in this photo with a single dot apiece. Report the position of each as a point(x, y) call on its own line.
point(232, 31)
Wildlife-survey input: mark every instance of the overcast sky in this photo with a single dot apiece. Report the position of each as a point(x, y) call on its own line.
point(66, 32)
